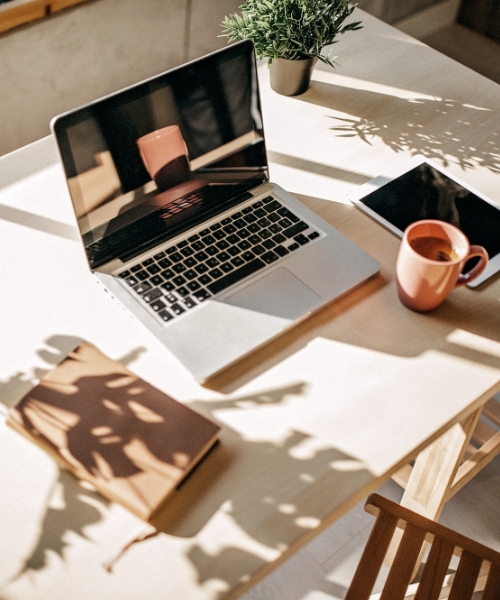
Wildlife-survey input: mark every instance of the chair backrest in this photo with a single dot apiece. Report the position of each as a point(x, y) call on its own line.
point(478, 565)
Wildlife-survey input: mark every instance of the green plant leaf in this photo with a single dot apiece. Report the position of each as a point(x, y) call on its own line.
point(290, 28)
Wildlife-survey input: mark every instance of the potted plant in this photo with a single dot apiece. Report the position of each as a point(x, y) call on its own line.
point(291, 34)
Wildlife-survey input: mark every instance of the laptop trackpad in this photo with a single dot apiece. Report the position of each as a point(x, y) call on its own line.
point(280, 293)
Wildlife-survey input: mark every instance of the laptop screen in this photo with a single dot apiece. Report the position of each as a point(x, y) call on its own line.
point(162, 156)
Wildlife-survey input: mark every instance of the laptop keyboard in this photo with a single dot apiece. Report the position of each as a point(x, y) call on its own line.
point(183, 275)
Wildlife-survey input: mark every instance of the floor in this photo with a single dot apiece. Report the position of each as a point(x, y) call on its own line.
point(323, 569)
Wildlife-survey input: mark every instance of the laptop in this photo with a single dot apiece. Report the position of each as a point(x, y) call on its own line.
point(170, 186)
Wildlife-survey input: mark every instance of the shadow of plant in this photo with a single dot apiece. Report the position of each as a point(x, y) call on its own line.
point(70, 507)
point(73, 511)
point(262, 512)
point(402, 124)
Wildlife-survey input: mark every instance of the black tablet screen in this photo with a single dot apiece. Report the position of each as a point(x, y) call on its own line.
point(426, 193)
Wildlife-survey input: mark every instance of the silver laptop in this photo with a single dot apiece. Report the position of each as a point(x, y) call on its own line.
point(170, 186)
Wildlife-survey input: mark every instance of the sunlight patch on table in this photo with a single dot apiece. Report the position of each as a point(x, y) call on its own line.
point(307, 522)
point(300, 181)
point(287, 509)
point(354, 83)
point(346, 465)
point(474, 342)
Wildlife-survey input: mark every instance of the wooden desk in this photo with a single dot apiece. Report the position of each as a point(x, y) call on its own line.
point(311, 423)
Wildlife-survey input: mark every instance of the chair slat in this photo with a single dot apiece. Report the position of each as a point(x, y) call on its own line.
point(401, 571)
point(435, 582)
point(465, 579)
point(372, 557)
point(435, 570)
point(492, 588)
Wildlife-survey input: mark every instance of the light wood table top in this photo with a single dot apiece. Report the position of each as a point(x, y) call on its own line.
point(311, 423)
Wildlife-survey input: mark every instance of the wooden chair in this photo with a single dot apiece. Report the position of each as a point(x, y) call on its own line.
point(478, 566)
point(442, 468)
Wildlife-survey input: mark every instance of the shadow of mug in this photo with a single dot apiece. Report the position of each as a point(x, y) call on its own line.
point(431, 258)
point(165, 156)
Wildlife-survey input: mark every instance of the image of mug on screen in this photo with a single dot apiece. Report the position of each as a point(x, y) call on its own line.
point(165, 156)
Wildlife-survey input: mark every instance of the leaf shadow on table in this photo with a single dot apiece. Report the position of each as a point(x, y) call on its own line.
point(403, 126)
point(58, 347)
point(257, 501)
point(70, 506)
point(263, 515)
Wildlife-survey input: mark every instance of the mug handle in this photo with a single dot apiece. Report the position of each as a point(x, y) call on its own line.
point(465, 278)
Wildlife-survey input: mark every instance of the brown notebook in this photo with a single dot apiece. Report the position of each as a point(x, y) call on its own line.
point(134, 443)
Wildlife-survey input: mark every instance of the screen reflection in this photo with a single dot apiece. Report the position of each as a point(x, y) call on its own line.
point(149, 162)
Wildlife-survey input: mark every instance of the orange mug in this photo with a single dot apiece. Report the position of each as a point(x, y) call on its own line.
point(430, 261)
point(165, 156)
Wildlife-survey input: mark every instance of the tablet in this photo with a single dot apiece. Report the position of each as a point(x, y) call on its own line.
point(427, 192)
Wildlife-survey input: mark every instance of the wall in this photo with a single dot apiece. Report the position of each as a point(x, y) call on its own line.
point(74, 56)
point(392, 11)
point(482, 16)
point(82, 53)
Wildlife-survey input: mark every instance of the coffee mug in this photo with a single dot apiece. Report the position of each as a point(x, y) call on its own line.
point(430, 261)
point(165, 156)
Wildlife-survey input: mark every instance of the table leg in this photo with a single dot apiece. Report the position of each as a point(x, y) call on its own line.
point(433, 474)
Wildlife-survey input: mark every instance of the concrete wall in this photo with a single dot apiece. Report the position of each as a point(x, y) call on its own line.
point(82, 53)
point(392, 11)
point(77, 55)
point(481, 15)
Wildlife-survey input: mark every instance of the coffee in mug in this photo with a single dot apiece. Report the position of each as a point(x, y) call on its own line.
point(434, 248)
point(430, 262)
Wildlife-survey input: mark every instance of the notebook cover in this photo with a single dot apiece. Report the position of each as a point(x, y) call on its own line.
point(134, 443)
